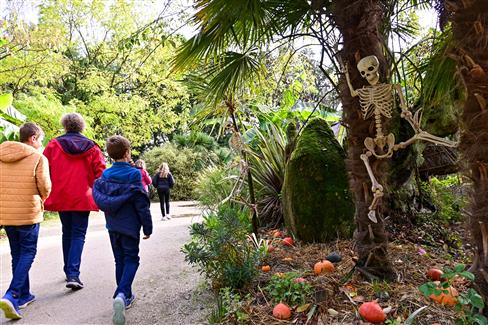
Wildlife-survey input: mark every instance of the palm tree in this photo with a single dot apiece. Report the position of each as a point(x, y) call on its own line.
point(347, 30)
point(470, 42)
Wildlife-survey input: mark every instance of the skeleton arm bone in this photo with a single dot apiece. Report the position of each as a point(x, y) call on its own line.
point(354, 93)
point(406, 114)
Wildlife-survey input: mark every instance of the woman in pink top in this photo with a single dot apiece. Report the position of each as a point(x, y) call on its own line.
point(146, 179)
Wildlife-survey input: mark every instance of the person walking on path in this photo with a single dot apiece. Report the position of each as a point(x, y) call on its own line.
point(24, 185)
point(120, 195)
point(163, 182)
point(75, 162)
point(146, 179)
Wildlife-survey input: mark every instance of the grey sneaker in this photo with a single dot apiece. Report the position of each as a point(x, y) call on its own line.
point(119, 310)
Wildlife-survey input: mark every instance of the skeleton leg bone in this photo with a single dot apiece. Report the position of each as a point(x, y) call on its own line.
point(376, 187)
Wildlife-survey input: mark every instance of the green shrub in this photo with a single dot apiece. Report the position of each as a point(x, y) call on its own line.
point(181, 164)
point(231, 307)
point(444, 194)
point(214, 185)
point(210, 152)
point(220, 249)
point(285, 288)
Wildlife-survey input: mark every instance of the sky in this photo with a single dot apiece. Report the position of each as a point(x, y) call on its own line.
point(30, 11)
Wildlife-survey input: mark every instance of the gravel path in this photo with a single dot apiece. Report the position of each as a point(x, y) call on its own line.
point(168, 290)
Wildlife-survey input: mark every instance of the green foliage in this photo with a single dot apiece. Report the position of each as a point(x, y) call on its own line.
point(6, 135)
point(45, 109)
point(444, 194)
point(182, 165)
point(220, 249)
point(210, 151)
point(230, 307)
point(284, 288)
point(469, 303)
point(267, 161)
point(108, 61)
point(214, 185)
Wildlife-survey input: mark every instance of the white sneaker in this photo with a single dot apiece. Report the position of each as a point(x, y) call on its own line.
point(164, 218)
point(168, 216)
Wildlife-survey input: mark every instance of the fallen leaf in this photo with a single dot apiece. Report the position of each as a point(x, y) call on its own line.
point(358, 298)
point(302, 308)
point(332, 312)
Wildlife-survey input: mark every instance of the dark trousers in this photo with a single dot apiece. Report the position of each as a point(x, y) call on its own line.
point(126, 254)
point(163, 200)
point(23, 248)
point(74, 225)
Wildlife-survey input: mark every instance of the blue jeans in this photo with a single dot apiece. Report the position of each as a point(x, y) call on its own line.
point(23, 248)
point(126, 253)
point(74, 225)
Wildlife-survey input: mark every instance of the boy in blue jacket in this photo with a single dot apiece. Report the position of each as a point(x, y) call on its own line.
point(119, 193)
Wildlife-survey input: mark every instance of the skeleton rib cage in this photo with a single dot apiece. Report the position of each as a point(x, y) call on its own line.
point(376, 99)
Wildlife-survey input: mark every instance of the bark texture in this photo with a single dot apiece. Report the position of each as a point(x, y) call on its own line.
point(359, 23)
point(469, 20)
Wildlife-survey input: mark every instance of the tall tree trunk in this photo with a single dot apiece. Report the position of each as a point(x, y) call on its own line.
point(359, 22)
point(250, 182)
point(470, 31)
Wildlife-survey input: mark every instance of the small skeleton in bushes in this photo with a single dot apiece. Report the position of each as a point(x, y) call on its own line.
point(377, 100)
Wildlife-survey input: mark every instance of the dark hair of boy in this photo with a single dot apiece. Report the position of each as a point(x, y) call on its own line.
point(27, 130)
point(117, 147)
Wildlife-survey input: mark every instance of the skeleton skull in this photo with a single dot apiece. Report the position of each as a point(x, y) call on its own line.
point(368, 66)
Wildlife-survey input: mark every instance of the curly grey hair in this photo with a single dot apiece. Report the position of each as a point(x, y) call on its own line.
point(73, 122)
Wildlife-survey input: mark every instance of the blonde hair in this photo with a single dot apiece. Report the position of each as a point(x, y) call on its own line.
point(140, 163)
point(164, 170)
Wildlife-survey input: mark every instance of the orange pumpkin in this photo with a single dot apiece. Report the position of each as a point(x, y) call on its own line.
point(435, 274)
point(288, 241)
point(372, 312)
point(277, 234)
point(317, 268)
point(265, 268)
point(282, 311)
point(448, 298)
point(328, 266)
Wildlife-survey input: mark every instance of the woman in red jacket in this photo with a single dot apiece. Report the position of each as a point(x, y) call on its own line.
point(75, 162)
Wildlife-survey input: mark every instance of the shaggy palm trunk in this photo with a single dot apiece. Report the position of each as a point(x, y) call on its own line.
point(470, 30)
point(250, 183)
point(359, 23)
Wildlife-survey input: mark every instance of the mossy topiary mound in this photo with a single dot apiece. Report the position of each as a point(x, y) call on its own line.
point(316, 200)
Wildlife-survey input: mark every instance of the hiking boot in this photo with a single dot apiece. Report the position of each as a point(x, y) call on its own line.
point(23, 302)
point(129, 301)
point(74, 284)
point(10, 306)
point(119, 310)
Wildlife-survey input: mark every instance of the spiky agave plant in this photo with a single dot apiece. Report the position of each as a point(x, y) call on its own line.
point(267, 157)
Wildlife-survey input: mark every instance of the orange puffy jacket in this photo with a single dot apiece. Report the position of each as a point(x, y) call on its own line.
point(24, 184)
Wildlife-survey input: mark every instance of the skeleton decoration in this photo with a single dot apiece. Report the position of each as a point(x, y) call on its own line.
point(377, 100)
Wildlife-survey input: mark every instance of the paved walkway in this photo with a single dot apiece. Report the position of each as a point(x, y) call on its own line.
point(168, 291)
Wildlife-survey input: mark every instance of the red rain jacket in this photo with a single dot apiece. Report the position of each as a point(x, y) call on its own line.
point(74, 162)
